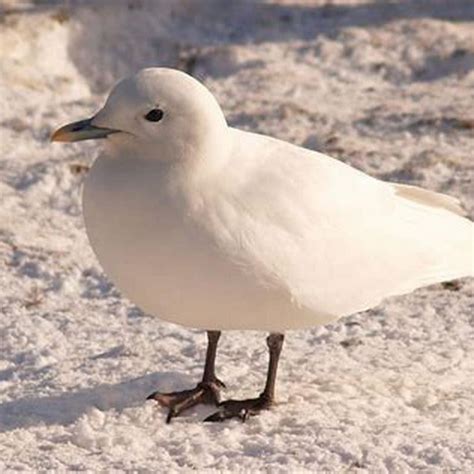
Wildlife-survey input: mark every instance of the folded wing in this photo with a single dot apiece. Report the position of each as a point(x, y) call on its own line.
point(337, 239)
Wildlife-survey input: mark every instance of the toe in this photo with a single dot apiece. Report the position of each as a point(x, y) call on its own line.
point(164, 399)
point(241, 409)
point(226, 414)
point(216, 416)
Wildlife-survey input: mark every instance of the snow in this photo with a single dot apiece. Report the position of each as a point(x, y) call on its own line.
point(388, 87)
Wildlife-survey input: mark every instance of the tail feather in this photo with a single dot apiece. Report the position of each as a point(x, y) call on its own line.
point(445, 237)
point(430, 198)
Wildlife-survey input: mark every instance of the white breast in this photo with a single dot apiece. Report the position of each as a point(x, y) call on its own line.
point(167, 265)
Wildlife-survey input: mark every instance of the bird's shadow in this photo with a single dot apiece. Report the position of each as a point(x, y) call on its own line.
point(66, 408)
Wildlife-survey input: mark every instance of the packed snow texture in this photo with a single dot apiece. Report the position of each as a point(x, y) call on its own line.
point(385, 86)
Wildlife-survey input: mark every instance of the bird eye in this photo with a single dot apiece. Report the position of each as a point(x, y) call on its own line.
point(155, 115)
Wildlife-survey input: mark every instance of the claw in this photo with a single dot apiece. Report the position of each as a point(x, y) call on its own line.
point(219, 383)
point(216, 416)
point(164, 399)
point(171, 414)
point(223, 415)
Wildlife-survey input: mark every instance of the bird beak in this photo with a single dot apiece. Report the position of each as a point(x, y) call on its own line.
point(82, 130)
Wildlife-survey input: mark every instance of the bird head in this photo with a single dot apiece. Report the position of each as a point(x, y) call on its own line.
point(158, 113)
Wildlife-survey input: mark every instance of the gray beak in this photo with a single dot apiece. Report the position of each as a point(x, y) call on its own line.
point(82, 130)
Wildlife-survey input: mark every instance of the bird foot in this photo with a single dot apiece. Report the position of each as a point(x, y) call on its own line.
point(240, 408)
point(177, 402)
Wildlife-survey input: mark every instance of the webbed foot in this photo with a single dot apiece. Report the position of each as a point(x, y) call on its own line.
point(206, 393)
point(240, 408)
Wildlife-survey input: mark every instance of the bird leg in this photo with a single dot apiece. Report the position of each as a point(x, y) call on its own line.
point(206, 391)
point(252, 406)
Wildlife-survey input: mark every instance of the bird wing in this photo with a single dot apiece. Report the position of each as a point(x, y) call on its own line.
point(337, 239)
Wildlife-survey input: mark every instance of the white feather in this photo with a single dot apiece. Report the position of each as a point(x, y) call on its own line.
point(223, 229)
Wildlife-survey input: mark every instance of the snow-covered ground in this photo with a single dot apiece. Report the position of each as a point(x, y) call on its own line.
point(387, 87)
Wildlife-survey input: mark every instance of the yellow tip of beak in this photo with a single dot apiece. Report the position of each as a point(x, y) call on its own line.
point(60, 136)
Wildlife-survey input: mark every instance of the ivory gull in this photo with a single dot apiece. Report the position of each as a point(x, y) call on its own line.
point(216, 228)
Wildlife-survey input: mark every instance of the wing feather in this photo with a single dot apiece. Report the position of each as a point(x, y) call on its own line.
point(337, 239)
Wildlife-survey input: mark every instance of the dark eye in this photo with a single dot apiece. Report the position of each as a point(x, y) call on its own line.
point(155, 115)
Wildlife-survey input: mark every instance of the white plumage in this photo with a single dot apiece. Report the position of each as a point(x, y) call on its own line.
point(217, 228)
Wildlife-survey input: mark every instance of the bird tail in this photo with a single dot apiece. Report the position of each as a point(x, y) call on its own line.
point(430, 198)
point(447, 237)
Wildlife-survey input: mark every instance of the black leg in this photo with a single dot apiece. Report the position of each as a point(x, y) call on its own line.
point(244, 408)
point(274, 343)
point(210, 365)
point(206, 392)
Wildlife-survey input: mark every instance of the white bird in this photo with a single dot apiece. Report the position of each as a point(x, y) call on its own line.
point(216, 228)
